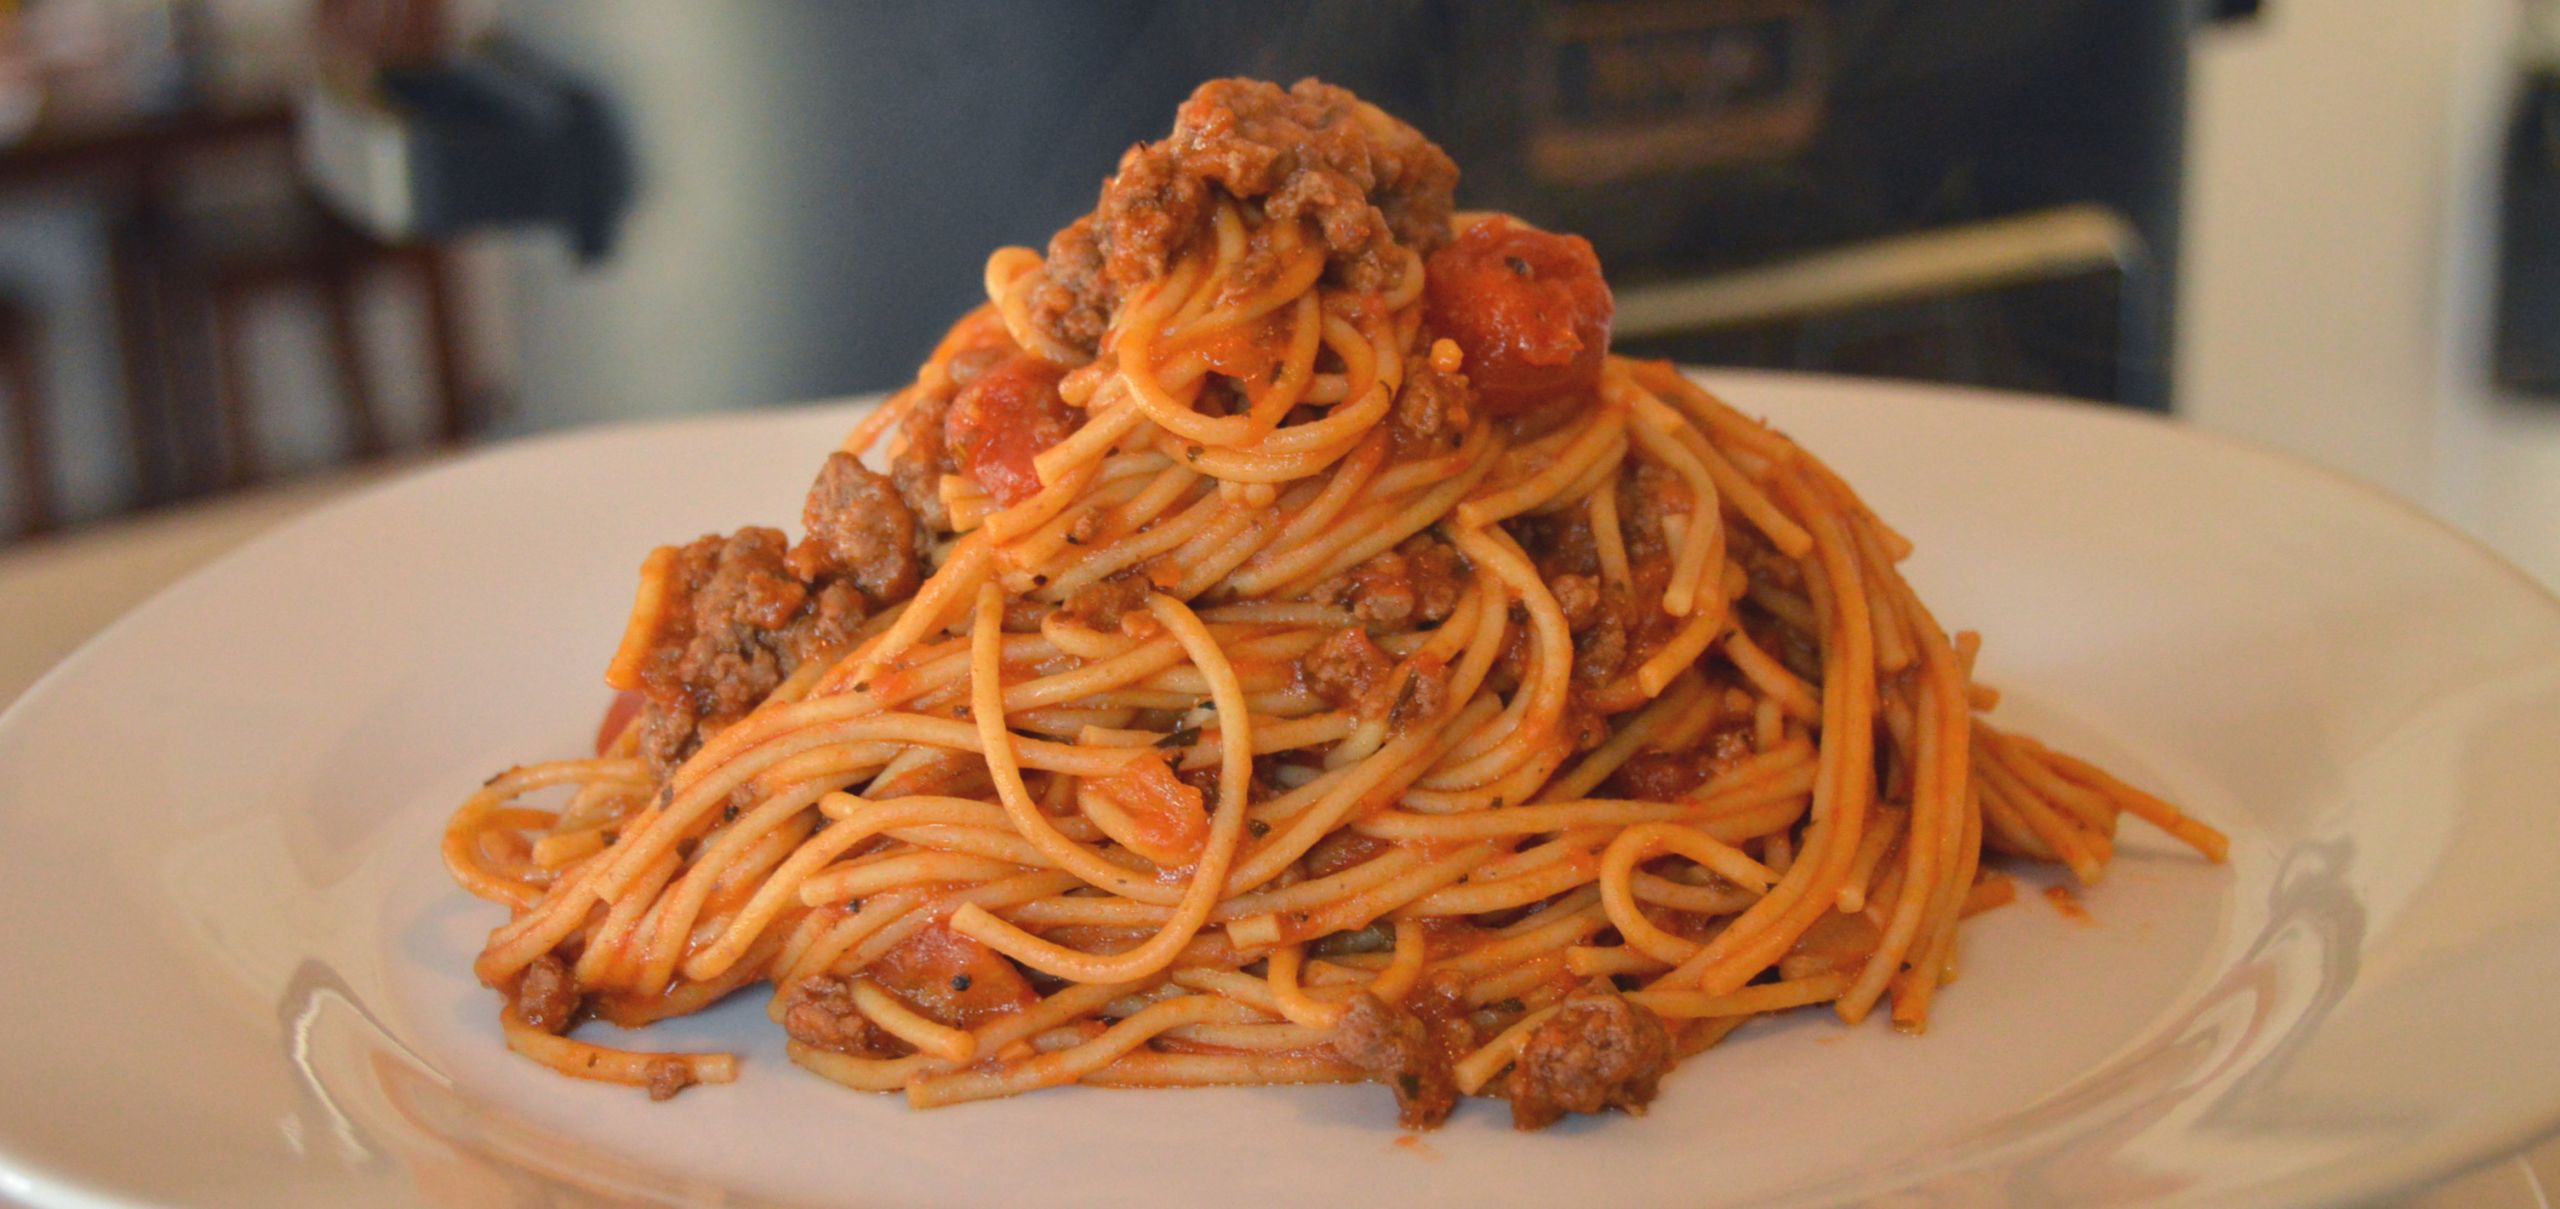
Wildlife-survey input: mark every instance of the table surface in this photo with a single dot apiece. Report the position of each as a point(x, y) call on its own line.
point(59, 591)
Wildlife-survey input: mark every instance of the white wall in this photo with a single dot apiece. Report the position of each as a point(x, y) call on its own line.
point(2339, 257)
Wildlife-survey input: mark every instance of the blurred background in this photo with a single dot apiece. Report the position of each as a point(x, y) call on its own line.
point(247, 243)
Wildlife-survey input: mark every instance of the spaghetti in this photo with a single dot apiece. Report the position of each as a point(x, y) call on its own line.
point(1286, 648)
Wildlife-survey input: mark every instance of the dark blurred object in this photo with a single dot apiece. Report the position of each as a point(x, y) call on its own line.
point(2236, 10)
point(1977, 191)
point(1621, 91)
point(410, 137)
point(29, 424)
point(2527, 349)
point(820, 182)
point(485, 140)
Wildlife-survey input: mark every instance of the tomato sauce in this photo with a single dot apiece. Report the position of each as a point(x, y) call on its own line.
point(2068, 904)
point(953, 978)
point(1170, 819)
point(1527, 307)
point(1002, 420)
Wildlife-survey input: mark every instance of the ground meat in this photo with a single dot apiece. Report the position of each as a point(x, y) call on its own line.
point(1587, 728)
point(667, 1076)
point(1560, 543)
point(1604, 618)
point(1417, 583)
point(1579, 597)
point(1350, 671)
point(859, 531)
point(734, 621)
point(836, 609)
point(1101, 605)
point(1422, 696)
point(916, 469)
point(1645, 498)
point(547, 995)
point(1149, 209)
point(821, 1015)
point(1344, 668)
point(1763, 562)
point(1668, 776)
point(712, 656)
point(1605, 636)
point(1365, 182)
point(1430, 406)
point(1440, 1003)
point(1597, 1052)
point(1613, 627)
point(1073, 299)
point(1398, 1049)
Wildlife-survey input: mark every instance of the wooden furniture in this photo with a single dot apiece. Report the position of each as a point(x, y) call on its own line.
point(28, 420)
point(132, 168)
point(187, 287)
point(222, 268)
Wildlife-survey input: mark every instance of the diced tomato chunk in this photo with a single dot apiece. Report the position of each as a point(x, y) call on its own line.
point(1168, 821)
point(953, 978)
point(1527, 307)
point(1002, 420)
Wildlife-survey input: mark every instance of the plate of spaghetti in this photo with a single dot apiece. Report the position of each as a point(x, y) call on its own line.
point(1277, 711)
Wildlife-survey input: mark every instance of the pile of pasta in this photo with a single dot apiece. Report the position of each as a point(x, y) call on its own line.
point(1286, 725)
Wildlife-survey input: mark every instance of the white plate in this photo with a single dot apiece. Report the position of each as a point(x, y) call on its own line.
point(234, 973)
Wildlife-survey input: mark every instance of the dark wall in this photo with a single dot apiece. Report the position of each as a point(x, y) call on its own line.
point(817, 183)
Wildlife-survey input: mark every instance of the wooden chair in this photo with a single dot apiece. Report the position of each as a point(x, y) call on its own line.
point(222, 267)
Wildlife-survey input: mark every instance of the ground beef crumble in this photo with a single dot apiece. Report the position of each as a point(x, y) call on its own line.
point(821, 1015)
point(1344, 668)
point(667, 1076)
point(917, 467)
point(1646, 495)
point(1102, 604)
point(1366, 184)
point(1415, 584)
point(1658, 776)
point(1398, 1048)
point(1432, 409)
point(546, 995)
point(740, 612)
point(860, 531)
point(1599, 1051)
point(1614, 627)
